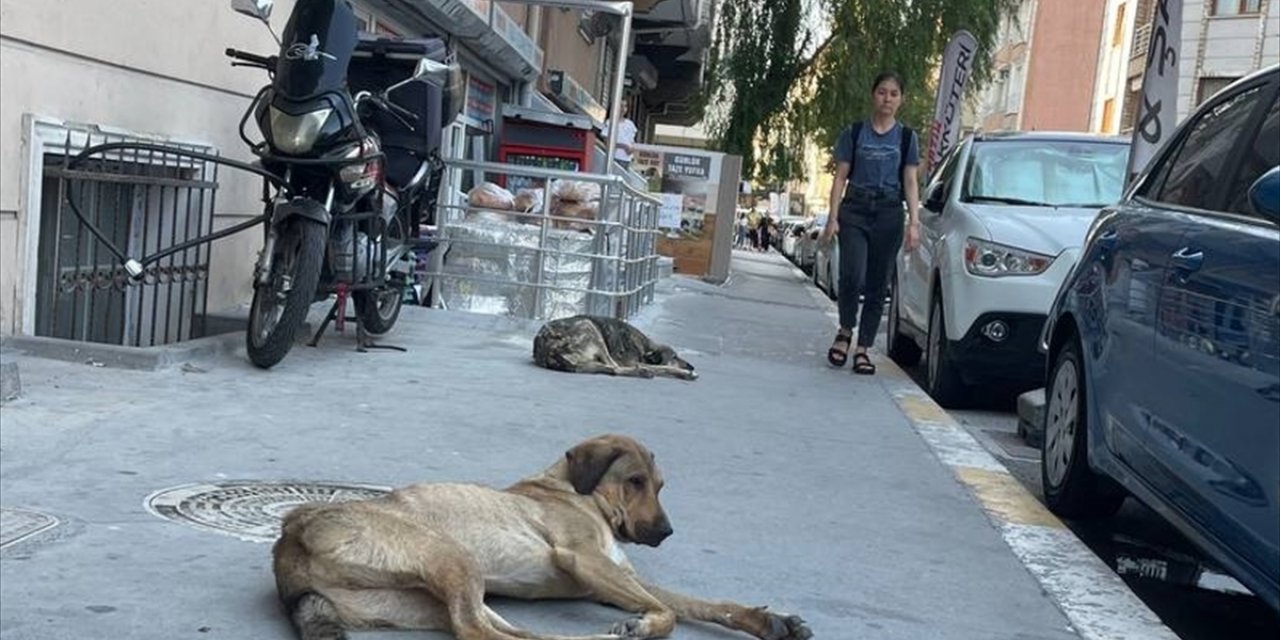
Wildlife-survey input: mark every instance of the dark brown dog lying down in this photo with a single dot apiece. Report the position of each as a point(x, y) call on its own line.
point(425, 556)
point(595, 344)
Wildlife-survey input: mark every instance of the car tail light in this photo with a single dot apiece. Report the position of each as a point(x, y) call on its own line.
point(992, 260)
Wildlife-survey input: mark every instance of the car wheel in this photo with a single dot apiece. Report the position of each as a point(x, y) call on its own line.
point(943, 380)
point(1071, 488)
point(902, 349)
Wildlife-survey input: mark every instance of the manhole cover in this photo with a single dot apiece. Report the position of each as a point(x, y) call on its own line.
point(17, 525)
point(249, 510)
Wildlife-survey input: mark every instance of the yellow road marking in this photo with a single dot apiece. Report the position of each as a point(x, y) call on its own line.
point(924, 410)
point(1003, 497)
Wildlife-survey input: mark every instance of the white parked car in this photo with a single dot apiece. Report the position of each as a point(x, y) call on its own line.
point(807, 243)
point(1003, 219)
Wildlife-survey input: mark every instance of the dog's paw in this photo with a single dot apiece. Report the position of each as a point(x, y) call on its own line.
point(631, 628)
point(785, 627)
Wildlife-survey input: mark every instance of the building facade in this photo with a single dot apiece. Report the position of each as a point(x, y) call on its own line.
point(84, 70)
point(1044, 68)
point(1222, 40)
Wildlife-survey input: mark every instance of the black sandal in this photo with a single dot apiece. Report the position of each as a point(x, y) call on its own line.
point(837, 357)
point(862, 364)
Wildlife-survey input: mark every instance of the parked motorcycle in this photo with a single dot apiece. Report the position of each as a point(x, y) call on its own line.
point(351, 127)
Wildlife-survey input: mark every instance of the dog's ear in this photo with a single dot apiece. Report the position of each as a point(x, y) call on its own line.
point(588, 463)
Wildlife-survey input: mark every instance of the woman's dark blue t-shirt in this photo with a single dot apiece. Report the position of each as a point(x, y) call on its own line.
point(879, 156)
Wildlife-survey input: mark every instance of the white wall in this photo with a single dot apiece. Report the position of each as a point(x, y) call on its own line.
point(1229, 47)
point(153, 67)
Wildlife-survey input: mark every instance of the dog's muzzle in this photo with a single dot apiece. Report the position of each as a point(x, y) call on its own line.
point(653, 536)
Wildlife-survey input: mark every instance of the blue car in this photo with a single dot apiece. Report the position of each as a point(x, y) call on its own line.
point(1163, 344)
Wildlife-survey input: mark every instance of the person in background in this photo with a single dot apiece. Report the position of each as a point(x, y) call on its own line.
point(622, 150)
point(740, 232)
point(877, 162)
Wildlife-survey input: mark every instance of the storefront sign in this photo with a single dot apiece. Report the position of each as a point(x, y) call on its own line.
point(686, 184)
point(481, 99)
point(685, 166)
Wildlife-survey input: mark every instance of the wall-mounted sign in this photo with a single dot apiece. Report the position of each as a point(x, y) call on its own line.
point(481, 99)
point(678, 165)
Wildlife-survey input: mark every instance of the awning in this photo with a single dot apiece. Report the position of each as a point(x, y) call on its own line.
point(482, 26)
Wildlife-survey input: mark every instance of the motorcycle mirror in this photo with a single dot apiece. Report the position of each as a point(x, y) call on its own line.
point(260, 9)
point(427, 69)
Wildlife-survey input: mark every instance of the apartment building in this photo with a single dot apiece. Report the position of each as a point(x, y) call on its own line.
point(1044, 69)
point(1222, 40)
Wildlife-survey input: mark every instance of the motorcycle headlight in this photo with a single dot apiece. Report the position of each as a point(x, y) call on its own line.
point(992, 260)
point(297, 134)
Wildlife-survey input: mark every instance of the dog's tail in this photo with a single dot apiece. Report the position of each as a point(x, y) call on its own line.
point(315, 618)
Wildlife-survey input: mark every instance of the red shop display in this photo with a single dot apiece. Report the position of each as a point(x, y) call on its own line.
point(542, 139)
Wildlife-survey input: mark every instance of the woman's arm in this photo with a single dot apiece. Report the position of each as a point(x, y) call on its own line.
point(912, 187)
point(910, 175)
point(837, 192)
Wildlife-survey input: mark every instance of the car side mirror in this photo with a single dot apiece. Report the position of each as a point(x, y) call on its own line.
point(1264, 194)
point(260, 9)
point(936, 198)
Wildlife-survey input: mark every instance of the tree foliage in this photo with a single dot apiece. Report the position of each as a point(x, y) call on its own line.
point(766, 94)
point(755, 59)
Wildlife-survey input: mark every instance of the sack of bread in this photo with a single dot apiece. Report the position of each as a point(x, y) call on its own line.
point(488, 195)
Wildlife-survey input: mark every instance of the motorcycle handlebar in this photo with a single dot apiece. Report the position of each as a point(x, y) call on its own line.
point(251, 58)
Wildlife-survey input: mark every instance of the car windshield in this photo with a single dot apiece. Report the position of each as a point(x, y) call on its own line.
point(1046, 173)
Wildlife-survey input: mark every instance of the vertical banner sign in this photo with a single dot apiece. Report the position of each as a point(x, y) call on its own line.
point(1158, 105)
point(957, 63)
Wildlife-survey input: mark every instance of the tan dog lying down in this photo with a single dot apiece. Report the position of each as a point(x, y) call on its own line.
point(425, 556)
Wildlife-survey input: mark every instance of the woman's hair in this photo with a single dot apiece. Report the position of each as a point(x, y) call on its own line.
point(886, 76)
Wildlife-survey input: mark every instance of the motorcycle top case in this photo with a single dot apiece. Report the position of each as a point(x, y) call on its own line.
point(381, 62)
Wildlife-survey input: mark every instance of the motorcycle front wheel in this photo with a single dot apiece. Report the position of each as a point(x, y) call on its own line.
point(280, 307)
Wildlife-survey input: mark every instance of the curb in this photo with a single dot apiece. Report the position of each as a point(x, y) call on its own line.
point(1031, 417)
point(1097, 603)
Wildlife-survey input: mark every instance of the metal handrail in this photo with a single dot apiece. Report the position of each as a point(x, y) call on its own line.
point(552, 174)
point(539, 216)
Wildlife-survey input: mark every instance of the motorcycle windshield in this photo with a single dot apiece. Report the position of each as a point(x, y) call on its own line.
point(316, 48)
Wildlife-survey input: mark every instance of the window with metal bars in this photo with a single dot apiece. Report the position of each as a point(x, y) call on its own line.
point(142, 203)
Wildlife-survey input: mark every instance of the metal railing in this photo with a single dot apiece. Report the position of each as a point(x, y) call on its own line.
point(537, 264)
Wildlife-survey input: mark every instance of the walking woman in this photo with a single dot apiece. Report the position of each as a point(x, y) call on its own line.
point(876, 167)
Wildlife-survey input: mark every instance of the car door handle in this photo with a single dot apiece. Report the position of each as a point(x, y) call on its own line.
point(1187, 261)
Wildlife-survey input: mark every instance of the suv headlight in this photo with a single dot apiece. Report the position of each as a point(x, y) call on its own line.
point(297, 134)
point(992, 260)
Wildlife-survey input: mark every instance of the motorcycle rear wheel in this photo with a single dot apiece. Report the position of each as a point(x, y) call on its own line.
point(280, 307)
point(380, 308)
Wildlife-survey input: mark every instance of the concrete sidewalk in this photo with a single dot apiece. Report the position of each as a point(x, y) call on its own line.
point(789, 483)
